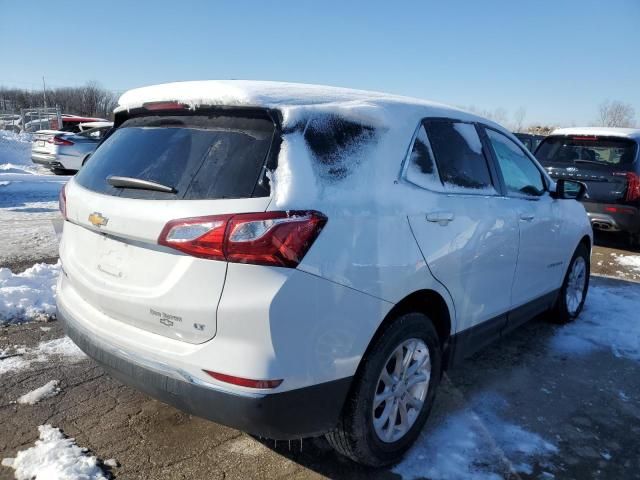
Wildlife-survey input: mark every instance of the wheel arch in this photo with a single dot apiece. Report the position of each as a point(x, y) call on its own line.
point(427, 301)
point(586, 241)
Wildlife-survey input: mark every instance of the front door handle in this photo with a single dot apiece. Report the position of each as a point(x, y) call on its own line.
point(442, 218)
point(527, 217)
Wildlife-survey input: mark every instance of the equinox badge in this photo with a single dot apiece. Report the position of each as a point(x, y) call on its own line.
point(97, 220)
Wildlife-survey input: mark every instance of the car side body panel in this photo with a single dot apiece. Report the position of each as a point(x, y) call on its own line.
point(377, 255)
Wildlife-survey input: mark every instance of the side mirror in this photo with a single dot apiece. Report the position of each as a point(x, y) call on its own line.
point(570, 189)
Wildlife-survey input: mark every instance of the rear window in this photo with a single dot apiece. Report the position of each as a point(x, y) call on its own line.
point(203, 156)
point(587, 149)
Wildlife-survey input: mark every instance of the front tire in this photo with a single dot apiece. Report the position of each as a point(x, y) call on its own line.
point(392, 393)
point(574, 288)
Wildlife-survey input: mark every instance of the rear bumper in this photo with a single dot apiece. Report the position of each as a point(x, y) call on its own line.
point(613, 217)
point(302, 412)
point(47, 160)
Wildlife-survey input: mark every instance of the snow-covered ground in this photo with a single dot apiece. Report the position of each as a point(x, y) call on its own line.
point(49, 389)
point(476, 443)
point(55, 457)
point(29, 295)
point(631, 261)
point(610, 321)
point(28, 202)
point(18, 357)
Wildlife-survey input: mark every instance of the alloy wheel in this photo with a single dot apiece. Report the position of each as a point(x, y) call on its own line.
point(576, 285)
point(401, 390)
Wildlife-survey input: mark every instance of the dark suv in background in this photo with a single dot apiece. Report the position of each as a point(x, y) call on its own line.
point(606, 160)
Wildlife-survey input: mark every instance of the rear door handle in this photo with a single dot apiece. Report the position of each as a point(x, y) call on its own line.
point(527, 217)
point(443, 218)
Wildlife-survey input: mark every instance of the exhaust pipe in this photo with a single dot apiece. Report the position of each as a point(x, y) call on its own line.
point(601, 225)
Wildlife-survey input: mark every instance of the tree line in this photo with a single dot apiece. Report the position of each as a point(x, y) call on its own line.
point(89, 100)
point(610, 114)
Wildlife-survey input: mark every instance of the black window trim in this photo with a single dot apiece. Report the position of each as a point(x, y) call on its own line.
point(546, 182)
point(496, 180)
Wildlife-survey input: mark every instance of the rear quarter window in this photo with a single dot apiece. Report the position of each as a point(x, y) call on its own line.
point(337, 145)
point(201, 156)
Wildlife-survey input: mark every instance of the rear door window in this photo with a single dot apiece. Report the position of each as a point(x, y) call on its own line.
point(457, 150)
point(201, 156)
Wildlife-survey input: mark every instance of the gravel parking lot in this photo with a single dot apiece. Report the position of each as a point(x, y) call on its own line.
point(523, 409)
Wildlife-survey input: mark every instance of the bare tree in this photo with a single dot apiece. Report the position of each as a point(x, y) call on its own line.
point(518, 119)
point(499, 115)
point(616, 114)
point(90, 100)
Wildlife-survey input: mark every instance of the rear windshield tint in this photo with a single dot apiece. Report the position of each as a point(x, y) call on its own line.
point(596, 150)
point(201, 156)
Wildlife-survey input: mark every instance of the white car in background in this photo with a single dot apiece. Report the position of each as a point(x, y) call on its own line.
point(64, 151)
point(295, 260)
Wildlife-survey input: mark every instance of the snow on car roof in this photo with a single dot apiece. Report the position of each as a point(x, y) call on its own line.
point(633, 133)
point(286, 96)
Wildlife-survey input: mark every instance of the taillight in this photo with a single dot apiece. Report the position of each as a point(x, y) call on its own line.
point(153, 106)
point(60, 141)
point(270, 238)
point(633, 185)
point(198, 236)
point(62, 201)
point(244, 382)
point(629, 210)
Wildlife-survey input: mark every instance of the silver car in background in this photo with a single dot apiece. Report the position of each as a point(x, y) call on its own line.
point(64, 151)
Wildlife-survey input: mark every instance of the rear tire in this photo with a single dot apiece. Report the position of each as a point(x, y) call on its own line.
point(410, 391)
point(574, 288)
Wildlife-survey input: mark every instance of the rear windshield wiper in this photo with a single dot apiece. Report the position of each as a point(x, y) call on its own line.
point(594, 162)
point(130, 182)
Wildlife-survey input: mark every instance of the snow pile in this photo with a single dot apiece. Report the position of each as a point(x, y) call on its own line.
point(610, 320)
point(29, 295)
point(48, 390)
point(15, 150)
point(62, 347)
point(22, 186)
point(20, 179)
point(55, 457)
point(631, 261)
point(20, 357)
point(475, 443)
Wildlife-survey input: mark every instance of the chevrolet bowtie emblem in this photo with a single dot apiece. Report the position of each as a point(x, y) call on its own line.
point(97, 220)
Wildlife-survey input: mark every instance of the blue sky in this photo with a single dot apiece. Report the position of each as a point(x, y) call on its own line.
point(557, 59)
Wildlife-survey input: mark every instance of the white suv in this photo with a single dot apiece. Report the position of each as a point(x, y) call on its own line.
point(296, 260)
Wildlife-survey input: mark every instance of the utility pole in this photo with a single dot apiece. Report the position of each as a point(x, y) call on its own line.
point(44, 93)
